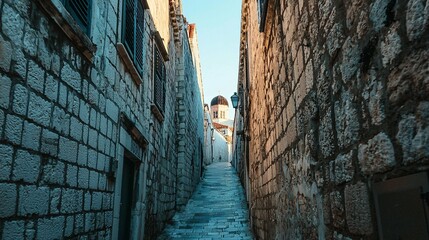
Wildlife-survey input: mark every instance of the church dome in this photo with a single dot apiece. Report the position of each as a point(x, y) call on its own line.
point(219, 100)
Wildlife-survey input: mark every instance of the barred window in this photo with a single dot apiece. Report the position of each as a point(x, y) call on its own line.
point(132, 31)
point(159, 80)
point(80, 10)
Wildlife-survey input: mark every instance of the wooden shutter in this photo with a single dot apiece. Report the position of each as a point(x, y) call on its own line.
point(139, 37)
point(159, 64)
point(81, 12)
point(129, 26)
point(159, 90)
point(133, 31)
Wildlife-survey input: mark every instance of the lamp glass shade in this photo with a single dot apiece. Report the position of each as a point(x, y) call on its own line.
point(234, 100)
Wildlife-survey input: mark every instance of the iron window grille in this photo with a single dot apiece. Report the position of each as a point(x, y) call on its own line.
point(159, 80)
point(80, 10)
point(132, 31)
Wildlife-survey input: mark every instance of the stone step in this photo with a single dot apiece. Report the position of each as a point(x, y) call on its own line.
point(217, 209)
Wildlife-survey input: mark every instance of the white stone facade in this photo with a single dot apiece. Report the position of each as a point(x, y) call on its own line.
point(82, 147)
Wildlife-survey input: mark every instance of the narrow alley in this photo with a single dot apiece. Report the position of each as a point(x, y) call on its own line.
point(185, 119)
point(217, 210)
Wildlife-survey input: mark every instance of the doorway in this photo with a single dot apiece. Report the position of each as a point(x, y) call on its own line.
point(127, 196)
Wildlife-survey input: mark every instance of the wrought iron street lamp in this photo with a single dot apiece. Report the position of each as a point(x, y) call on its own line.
point(234, 100)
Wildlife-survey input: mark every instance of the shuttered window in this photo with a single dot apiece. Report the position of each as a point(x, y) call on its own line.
point(132, 31)
point(159, 80)
point(80, 10)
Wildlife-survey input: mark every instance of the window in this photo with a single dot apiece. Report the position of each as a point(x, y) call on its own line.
point(262, 12)
point(73, 17)
point(159, 80)
point(80, 10)
point(132, 31)
point(215, 114)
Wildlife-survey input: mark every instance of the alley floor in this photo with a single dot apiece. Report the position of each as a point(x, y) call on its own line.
point(217, 209)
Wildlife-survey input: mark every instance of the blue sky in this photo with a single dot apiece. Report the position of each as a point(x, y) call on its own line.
point(218, 27)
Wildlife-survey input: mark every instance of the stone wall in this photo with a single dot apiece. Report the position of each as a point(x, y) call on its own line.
point(208, 136)
point(195, 50)
point(338, 101)
point(72, 115)
point(190, 132)
point(162, 166)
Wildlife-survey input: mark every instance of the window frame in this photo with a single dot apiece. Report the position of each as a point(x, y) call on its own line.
point(76, 16)
point(56, 10)
point(159, 77)
point(134, 50)
point(159, 48)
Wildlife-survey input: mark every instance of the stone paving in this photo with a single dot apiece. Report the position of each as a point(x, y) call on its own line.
point(217, 209)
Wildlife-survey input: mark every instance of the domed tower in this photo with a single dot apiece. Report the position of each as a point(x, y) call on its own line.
point(219, 109)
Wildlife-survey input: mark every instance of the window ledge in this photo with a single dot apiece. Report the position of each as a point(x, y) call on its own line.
point(56, 11)
point(158, 114)
point(134, 131)
point(128, 63)
point(161, 46)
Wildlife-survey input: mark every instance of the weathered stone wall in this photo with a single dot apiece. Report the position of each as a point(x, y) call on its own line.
point(59, 128)
point(195, 50)
point(62, 127)
point(339, 96)
point(208, 136)
point(162, 168)
point(190, 132)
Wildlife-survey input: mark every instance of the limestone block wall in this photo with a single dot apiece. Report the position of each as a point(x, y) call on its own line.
point(190, 121)
point(195, 50)
point(162, 172)
point(59, 125)
point(339, 96)
point(70, 116)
